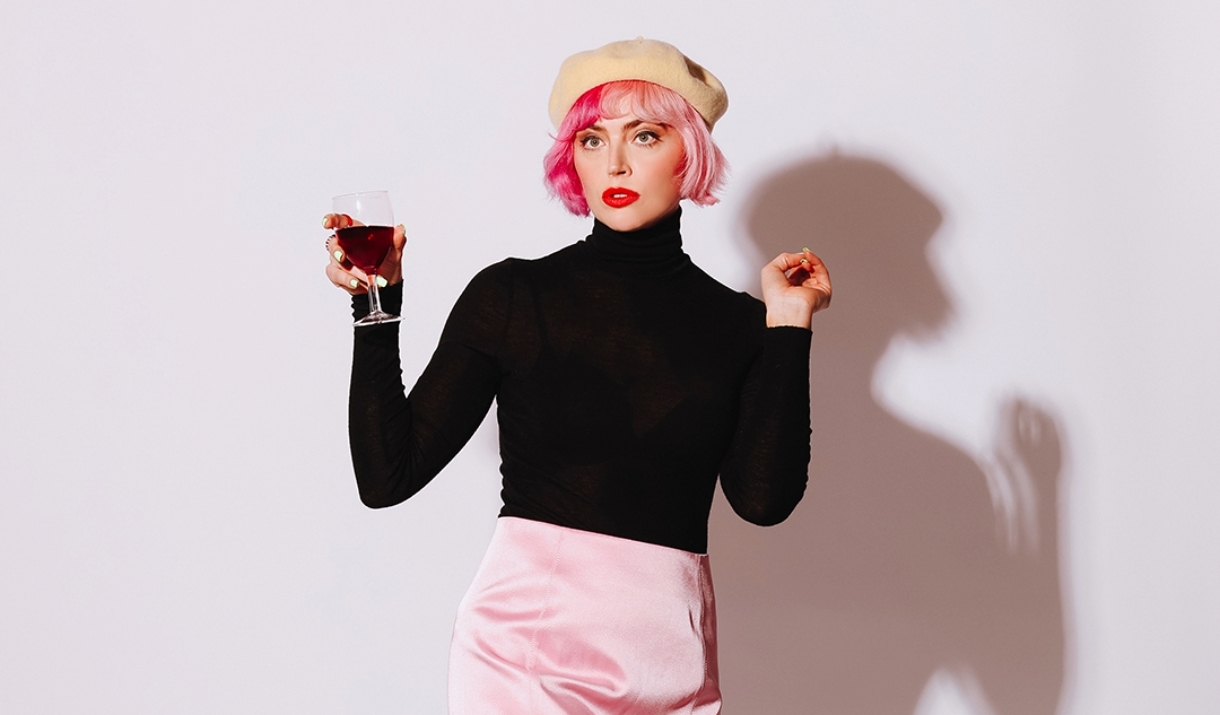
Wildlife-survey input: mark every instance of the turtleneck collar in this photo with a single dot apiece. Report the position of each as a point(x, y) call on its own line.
point(655, 250)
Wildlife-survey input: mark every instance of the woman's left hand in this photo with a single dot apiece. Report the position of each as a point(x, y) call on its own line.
point(794, 287)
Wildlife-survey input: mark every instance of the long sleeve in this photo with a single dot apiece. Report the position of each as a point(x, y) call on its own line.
point(763, 476)
point(400, 442)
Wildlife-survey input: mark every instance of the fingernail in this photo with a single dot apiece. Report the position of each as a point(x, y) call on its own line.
point(805, 261)
point(381, 282)
point(354, 283)
point(806, 249)
point(324, 222)
point(338, 255)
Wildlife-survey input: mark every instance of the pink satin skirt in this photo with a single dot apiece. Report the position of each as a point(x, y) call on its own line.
point(560, 621)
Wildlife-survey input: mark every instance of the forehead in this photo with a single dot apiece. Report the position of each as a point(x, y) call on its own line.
point(625, 120)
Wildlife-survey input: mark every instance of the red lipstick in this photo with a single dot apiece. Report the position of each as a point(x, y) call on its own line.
point(617, 198)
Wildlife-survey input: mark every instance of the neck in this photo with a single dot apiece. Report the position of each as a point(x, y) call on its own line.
point(652, 250)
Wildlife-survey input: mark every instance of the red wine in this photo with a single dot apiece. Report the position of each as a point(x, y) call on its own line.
point(366, 246)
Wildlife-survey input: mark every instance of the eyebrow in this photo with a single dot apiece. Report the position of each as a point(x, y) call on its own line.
point(599, 127)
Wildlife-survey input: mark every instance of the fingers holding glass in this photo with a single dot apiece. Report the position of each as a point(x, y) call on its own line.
point(341, 272)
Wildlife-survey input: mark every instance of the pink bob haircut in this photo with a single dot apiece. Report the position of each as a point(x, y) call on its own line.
point(703, 167)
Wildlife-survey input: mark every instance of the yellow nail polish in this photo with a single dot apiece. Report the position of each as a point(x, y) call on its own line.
point(806, 249)
point(354, 283)
point(338, 255)
point(381, 282)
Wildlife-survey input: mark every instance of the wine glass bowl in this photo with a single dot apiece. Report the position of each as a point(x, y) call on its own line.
point(367, 242)
point(366, 246)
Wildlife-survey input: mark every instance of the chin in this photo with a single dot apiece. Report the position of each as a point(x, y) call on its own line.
point(622, 220)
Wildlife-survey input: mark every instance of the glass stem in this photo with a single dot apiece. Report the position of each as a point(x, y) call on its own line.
point(374, 296)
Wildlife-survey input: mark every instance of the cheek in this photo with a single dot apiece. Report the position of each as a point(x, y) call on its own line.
point(674, 170)
point(583, 174)
point(676, 164)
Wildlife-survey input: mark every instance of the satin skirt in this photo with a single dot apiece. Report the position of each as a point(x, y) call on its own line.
point(560, 621)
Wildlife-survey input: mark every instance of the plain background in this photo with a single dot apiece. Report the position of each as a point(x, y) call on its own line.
point(1018, 203)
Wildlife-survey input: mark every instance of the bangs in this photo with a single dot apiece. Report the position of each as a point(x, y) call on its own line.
point(648, 101)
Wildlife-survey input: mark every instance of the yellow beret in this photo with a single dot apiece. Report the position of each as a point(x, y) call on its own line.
point(650, 60)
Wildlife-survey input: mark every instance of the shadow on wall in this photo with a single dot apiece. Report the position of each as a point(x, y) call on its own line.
point(908, 562)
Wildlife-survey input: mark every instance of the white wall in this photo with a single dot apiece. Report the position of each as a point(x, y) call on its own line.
point(1017, 198)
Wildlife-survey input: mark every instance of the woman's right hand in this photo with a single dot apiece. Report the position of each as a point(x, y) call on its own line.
point(343, 274)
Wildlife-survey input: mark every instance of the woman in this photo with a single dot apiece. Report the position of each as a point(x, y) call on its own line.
point(627, 381)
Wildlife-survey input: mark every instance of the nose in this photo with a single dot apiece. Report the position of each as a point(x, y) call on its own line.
point(618, 163)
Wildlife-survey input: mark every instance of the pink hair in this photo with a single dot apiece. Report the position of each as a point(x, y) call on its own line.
point(703, 166)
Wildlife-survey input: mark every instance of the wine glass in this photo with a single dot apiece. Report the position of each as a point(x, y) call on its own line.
point(367, 242)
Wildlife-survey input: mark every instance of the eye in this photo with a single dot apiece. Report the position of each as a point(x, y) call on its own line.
point(647, 137)
point(591, 141)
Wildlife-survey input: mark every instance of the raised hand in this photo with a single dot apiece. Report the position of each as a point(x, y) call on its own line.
point(794, 287)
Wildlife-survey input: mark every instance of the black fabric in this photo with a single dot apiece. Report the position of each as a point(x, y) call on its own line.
point(626, 379)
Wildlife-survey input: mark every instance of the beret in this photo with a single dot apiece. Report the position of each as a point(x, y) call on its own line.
point(650, 60)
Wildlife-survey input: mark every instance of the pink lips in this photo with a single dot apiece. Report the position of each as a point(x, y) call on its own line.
point(617, 198)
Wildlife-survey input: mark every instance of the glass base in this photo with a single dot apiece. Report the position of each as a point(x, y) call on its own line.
point(377, 318)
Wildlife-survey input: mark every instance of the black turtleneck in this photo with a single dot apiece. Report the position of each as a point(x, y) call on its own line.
point(652, 251)
point(626, 379)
